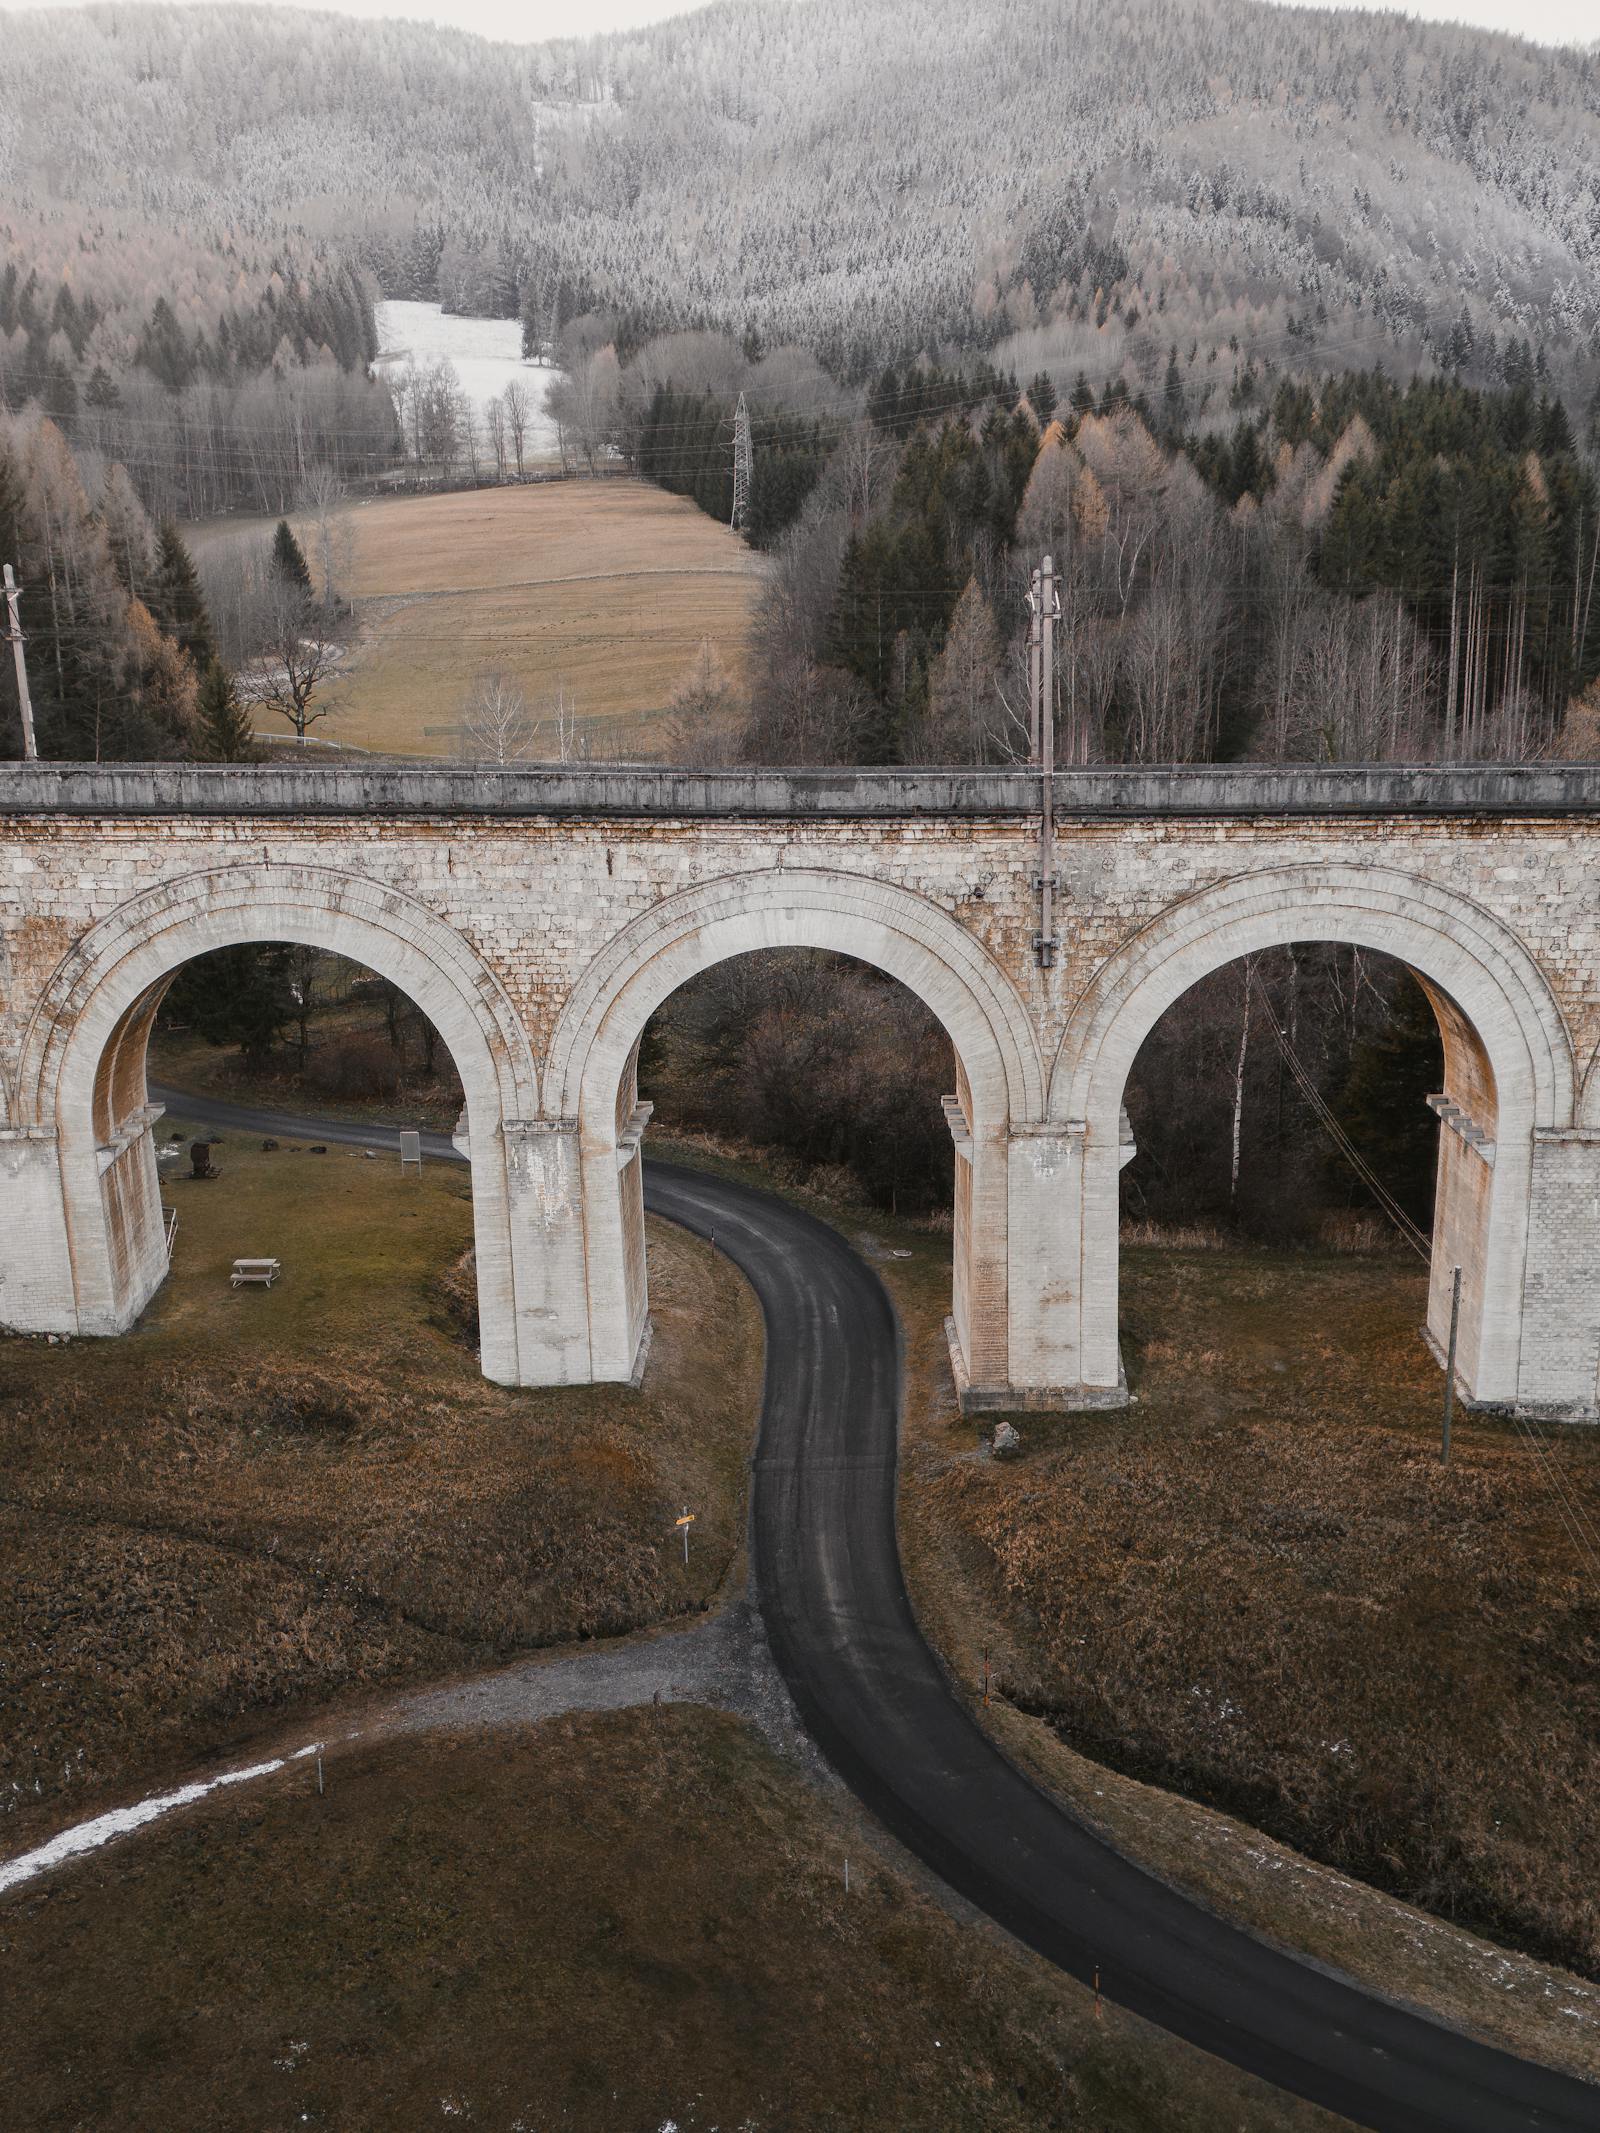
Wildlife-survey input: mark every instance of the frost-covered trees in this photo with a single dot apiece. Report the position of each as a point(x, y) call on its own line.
point(586, 406)
point(1242, 182)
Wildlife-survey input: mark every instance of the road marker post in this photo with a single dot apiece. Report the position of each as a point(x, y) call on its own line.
point(1450, 1366)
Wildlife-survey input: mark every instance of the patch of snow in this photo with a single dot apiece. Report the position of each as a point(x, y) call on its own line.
point(89, 1836)
point(485, 352)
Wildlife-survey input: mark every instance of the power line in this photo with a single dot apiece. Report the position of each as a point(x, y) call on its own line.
point(1570, 1510)
point(1418, 1240)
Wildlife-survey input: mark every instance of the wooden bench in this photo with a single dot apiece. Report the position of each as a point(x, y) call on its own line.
point(264, 1271)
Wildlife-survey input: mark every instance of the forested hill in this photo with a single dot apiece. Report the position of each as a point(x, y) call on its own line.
point(1056, 179)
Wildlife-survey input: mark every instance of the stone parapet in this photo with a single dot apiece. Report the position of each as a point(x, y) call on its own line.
point(643, 792)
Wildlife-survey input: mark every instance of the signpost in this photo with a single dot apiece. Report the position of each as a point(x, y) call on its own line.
point(1450, 1364)
point(685, 1522)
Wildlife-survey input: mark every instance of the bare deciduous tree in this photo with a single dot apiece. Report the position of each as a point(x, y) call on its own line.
point(497, 725)
point(300, 653)
point(322, 496)
point(498, 435)
point(518, 405)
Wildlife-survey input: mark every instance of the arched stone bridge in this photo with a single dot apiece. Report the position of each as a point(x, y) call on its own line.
point(538, 917)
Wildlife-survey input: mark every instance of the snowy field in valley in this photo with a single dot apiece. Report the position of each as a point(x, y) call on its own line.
point(486, 353)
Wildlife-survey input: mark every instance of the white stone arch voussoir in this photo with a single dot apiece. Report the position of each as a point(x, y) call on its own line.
point(1442, 935)
point(890, 927)
point(121, 957)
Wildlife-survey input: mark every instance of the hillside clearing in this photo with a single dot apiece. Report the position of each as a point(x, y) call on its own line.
point(606, 589)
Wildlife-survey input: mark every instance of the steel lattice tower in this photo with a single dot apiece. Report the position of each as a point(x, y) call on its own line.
point(741, 464)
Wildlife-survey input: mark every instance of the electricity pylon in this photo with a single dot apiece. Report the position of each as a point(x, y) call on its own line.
point(741, 464)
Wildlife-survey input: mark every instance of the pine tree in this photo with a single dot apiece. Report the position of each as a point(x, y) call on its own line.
point(177, 601)
point(236, 996)
point(162, 689)
point(289, 565)
point(1042, 397)
point(225, 734)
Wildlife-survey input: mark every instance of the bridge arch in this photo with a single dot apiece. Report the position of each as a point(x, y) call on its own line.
point(1509, 1068)
point(81, 1079)
point(589, 1080)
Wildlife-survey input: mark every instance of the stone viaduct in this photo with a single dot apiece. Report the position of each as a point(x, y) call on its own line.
point(540, 916)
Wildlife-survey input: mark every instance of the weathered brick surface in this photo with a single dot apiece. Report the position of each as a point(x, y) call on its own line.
point(540, 942)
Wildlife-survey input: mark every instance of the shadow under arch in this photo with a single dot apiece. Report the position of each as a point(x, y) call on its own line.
point(1505, 1042)
point(590, 1076)
point(82, 1069)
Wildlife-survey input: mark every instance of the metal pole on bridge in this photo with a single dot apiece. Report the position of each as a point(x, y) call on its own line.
point(1042, 676)
point(1450, 1365)
point(14, 632)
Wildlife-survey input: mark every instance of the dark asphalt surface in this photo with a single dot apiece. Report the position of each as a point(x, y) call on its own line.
point(827, 1571)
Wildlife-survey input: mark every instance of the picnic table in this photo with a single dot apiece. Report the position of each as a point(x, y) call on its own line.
point(264, 1271)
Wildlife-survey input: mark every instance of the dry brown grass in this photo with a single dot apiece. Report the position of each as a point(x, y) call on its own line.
point(610, 586)
point(1259, 1587)
point(607, 1924)
point(262, 1499)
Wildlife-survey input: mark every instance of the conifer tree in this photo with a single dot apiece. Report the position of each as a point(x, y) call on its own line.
point(177, 601)
point(225, 734)
point(158, 720)
point(289, 565)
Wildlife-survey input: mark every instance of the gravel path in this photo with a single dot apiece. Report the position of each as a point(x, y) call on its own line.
point(722, 1661)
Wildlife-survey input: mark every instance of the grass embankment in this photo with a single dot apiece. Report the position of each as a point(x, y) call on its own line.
point(263, 1499)
point(1258, 1588)
point(1254, 1601)
point(608, 1924)
point(606, 586)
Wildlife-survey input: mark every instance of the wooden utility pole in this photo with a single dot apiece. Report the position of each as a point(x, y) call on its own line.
point(14, 632)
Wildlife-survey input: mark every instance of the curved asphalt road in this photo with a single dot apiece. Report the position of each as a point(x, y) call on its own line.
point(827, 1573)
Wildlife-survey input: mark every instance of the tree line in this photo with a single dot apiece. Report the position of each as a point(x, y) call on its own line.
point(126, 659)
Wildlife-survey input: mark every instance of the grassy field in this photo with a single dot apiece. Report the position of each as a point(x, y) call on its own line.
point(609, 587)
point(609, 1924)
point(261, 1500)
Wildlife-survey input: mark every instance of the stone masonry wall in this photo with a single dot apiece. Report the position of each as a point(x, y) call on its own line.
point(536, 899)
point(1493, 898)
